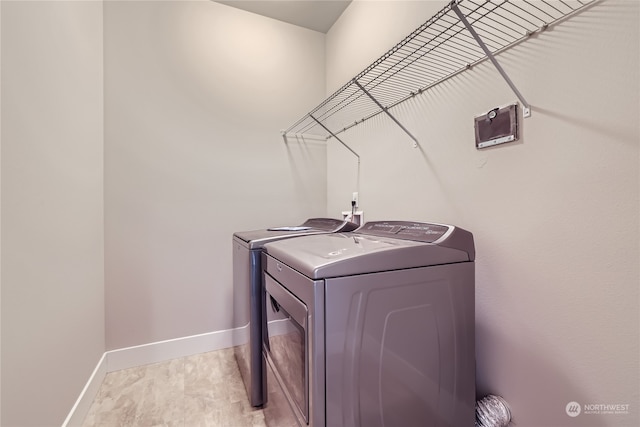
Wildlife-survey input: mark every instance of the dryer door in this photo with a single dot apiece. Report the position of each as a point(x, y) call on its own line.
point(286, 344)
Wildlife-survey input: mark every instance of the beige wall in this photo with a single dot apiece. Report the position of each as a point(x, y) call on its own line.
point(52, 207)
point(555, 215)
point(195, 96)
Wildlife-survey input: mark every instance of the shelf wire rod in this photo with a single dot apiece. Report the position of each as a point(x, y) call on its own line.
point(411, 95)
point(443, 54)
point(526, 107)
point(417, 81)
point(495, 40)
point(497, 36)
point(544, 12)
point(353, 107)
point(399, 69)
point(522, 14)
point(482, 18)
point(465, 39)
point(419, 68)
point(498, 7)
point(390, 72)
point(447, 38)
point(428, 73)
point(426, 41)
point(420, 64)
point(397, 82)
point(362, 104)
point(435, 35)
point(468, 39)
point(462, 56)
point(354, 113)
point(343, 102)
point(436, 53)
point(553, 7)
point(331, 102)
point(507, 8)
point(339, 105)
point(533, 24)
point(388, 94)
point(424, 26)
point(483, 14)
point(353, 100)
point(458, 32)
point(387, 97)
point(403, 99)
point(479, 52)
point(336, 137)
point(415, 76)
point(448, 62)
point(301, 126)
point(477, 19)
point(454, 36)
point(462, 41)
point(387, 112)
point(569, 7)
point(306, 127)
point(296, 124)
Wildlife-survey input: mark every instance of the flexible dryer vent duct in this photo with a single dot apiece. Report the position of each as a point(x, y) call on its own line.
point(492, 411)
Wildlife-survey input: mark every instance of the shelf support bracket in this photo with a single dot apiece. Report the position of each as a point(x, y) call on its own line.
point(526, 108)
point(386, 110)
point(335, 136)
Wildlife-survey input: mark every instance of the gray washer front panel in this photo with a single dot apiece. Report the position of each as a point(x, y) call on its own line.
point(390, 335)
point(247, 294)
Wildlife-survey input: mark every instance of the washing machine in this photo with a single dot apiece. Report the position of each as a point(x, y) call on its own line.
point(247, 294)
point(375, 328)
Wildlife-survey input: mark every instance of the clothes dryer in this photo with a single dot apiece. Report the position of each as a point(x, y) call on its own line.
point(247, 294)
point(377, 329)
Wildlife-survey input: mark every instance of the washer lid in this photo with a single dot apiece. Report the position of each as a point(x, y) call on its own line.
point(370, 249)
point(255, 239)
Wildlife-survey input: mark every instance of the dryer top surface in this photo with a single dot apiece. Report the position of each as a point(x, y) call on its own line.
point(375, 247)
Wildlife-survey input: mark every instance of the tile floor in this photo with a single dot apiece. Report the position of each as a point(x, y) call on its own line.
point(200, 390)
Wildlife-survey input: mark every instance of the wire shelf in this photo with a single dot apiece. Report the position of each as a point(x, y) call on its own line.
point(439, 49)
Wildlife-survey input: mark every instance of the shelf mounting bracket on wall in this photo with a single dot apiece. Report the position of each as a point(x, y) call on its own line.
point(526, 108)
point(336, 137)
point(386, 111)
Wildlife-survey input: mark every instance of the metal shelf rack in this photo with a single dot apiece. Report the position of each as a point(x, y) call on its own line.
point(461, 35)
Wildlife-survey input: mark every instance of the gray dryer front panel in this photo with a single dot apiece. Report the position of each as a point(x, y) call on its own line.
point(400, 348)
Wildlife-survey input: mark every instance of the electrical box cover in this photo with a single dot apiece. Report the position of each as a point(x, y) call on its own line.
point(497, 126)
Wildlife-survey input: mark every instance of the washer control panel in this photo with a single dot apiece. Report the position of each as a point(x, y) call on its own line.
point(419, 231)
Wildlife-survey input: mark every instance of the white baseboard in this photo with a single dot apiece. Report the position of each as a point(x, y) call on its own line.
point(160, 351)
point(83, 404)
point(145, 354)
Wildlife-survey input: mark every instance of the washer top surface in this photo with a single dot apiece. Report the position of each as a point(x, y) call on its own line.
point(374, 247)
point(255, 239)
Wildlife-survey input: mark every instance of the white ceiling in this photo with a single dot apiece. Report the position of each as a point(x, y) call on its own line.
point(318, 15)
